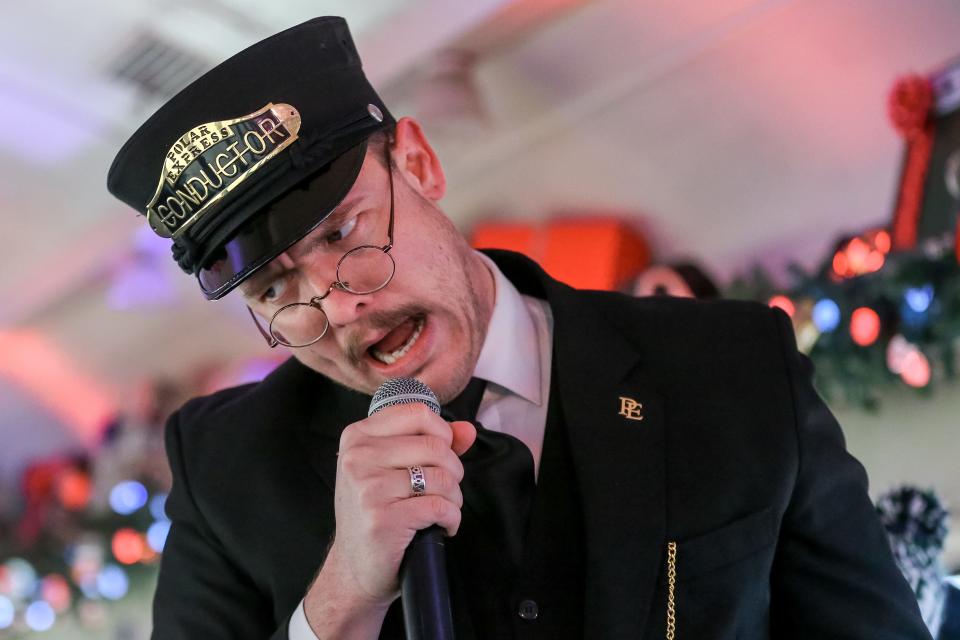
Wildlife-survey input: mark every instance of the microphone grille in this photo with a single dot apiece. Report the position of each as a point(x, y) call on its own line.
point(403, 391)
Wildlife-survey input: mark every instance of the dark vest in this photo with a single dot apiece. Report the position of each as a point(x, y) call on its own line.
point(493, 597)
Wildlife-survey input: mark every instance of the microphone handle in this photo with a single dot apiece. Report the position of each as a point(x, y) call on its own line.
point(424, 589)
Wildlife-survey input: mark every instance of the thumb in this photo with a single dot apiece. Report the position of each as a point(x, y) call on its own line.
point(464, 435)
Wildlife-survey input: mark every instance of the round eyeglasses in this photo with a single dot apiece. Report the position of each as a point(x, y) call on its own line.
point(362, 270)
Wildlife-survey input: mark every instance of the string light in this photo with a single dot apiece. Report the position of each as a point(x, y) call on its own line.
point(916, 369)
point(784, 303)
point(882, 241)
point(157, 506)
point(85, 560)
point(74, 490)
point(22, 577)
point(864, 326)
point(40, 616)
point(897, 350)
point(127, 546)
point(861, 255)
point(56, 592)
point(826, 315)
point(7, 612)
point(112, 582)
point(157, 535)
point(918, 299)
point(127, 497)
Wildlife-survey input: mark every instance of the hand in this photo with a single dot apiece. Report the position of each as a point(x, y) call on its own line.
point(376, 517)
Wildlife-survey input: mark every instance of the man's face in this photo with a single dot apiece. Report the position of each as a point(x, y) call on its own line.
point(429, 322)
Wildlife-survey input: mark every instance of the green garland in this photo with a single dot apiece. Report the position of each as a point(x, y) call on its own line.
point(859, 374)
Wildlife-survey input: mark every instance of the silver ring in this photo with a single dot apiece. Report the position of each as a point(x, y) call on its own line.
point(418, 481)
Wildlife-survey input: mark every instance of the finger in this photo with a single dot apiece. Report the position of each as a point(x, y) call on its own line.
point(437, 482)
point(464, 435)
point(400, 452)
point(405, 419)
point(424, 511)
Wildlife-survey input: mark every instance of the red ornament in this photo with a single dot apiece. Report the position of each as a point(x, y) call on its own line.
point(909, 105)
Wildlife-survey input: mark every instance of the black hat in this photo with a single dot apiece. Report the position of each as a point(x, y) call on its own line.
point(210, 167)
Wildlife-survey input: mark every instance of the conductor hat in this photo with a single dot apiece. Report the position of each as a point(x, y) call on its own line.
point(211, 167)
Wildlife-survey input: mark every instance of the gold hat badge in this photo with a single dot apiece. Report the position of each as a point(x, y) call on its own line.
point(210, 160)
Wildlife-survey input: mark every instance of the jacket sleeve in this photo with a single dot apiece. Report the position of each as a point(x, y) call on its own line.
point(833, 573)
point(201, 592)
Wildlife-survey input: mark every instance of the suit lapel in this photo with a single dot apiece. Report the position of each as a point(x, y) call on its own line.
point(619, 460)
point(620, 467)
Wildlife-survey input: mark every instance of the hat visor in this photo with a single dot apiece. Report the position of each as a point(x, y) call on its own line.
point(280, 224)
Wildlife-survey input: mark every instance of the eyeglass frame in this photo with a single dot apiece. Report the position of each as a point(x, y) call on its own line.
point(315, 301)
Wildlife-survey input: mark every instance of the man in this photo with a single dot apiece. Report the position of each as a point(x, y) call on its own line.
point(645, 468)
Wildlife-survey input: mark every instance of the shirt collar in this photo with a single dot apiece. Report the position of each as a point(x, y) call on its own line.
point(510, 356)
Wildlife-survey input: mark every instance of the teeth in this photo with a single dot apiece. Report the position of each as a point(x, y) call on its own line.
point(393, 356)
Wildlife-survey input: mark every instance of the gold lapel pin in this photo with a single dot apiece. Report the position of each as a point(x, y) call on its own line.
point(631, 409)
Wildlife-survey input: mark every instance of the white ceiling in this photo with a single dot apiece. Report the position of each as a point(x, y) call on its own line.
point(732, 130)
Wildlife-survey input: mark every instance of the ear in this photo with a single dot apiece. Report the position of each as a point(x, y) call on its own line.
point(416, 160)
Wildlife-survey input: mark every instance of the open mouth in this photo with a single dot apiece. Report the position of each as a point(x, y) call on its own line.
point(397, 343)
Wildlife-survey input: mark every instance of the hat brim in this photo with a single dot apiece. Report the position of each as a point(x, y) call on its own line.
point(279, 224)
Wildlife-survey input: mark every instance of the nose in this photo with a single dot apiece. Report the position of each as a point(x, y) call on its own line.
point(343, 307)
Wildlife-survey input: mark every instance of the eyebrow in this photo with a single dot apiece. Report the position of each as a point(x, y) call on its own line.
point(332, 221)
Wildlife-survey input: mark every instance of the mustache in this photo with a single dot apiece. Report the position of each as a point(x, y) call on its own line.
point(377, 321)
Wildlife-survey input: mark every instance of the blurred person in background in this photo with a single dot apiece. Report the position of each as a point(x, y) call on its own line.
point(606, 467)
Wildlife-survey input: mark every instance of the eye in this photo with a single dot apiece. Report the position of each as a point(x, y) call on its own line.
point(273, 291)
point(345, 230)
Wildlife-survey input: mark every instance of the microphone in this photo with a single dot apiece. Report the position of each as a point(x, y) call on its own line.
point(424, 588)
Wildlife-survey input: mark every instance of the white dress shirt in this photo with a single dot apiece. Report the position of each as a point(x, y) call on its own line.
point(515, 361)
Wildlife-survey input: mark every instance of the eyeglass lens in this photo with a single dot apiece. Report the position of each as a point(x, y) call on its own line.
point(361, 271)
point(365, 269)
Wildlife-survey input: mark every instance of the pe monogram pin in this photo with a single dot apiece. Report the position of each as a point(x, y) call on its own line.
point(631, 409)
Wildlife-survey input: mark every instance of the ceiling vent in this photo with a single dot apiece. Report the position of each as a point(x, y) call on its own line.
point(156, 67)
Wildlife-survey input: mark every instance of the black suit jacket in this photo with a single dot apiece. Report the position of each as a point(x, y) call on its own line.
point(736, 459)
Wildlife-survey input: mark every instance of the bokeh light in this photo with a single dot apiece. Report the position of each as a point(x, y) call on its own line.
point(127, 497)
point(74, 489)
point(861, 255)
point(7, 612)
point(40, 616)
point(127, 546)
point(157, 506)
point(916, 369)
point(784, 303)
point(55, 590)
point(882, 241)
point(826, 315)
point(919, 299)
point(157, 535)
point(112, 582)
point(85, 559)
point(22, 577)
point(864, 326)
point(897, 350)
